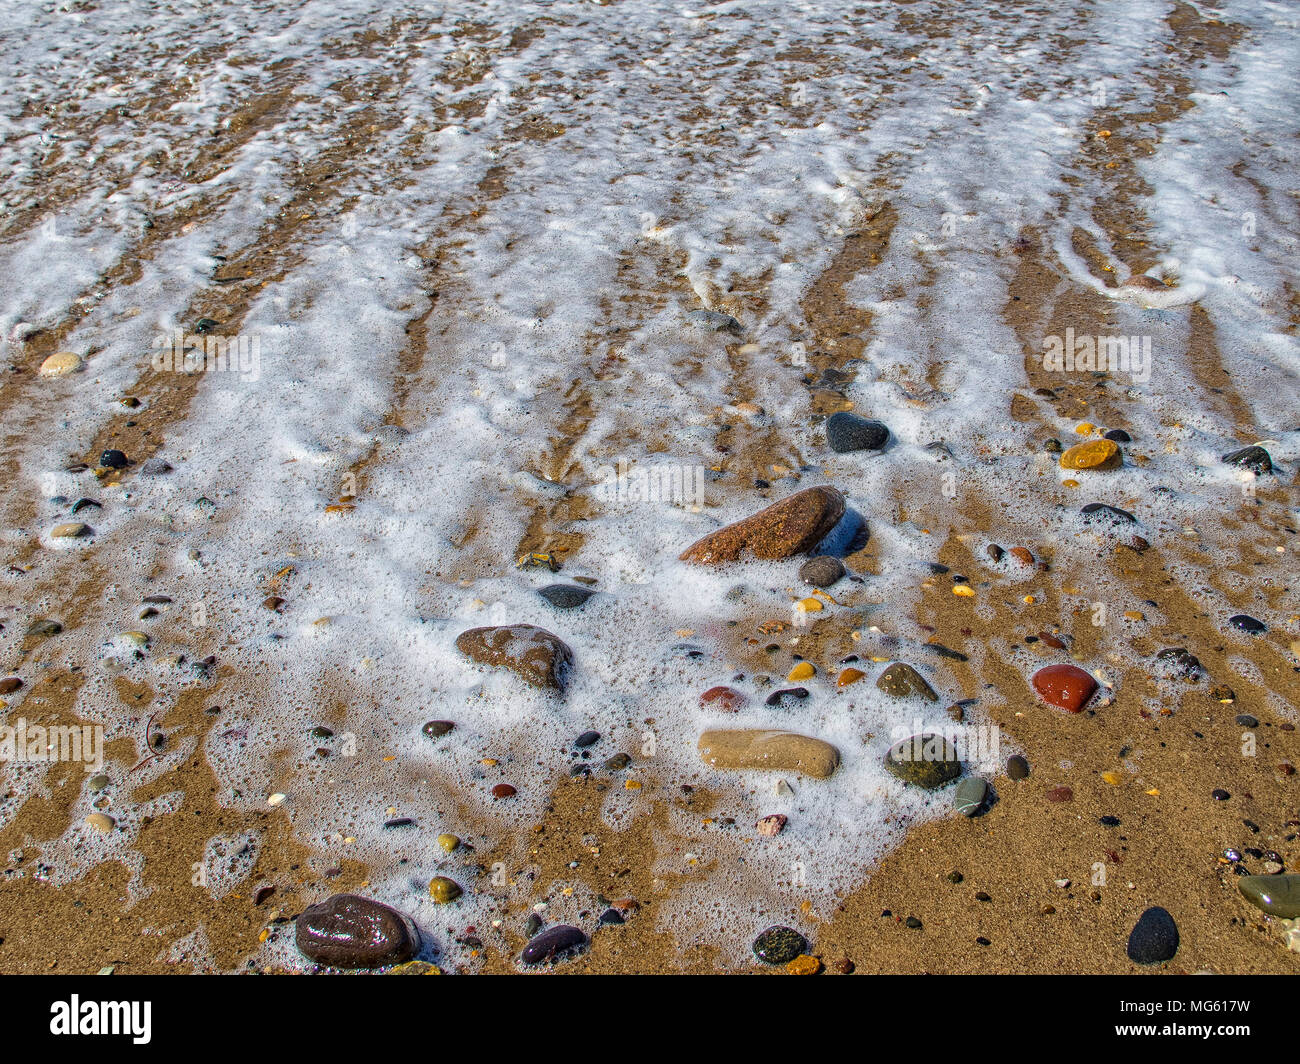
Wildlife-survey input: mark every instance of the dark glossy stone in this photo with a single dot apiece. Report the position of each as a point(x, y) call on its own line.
point(565, 596)
point(822, 571)
point(970, 796)
point(1180, 661)
point(787, 696)
point(1247, 721)
point(349, 931)
point(555, 942)
point(1066, 686)
point(1118, 436)
point(779, 945)
point(1256, 459)
point(1276, 895)
point(1245, 623)
point(1017, 767)
point(587, 738)
point(1100, 512)
point(1154, 939)
point(847, 432)
point(113, 460)
point(902, 681)
point(927, 760)
point(436, 729)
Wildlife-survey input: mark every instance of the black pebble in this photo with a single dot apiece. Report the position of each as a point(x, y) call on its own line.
point(1017, 767)
point(787, 694)
point(1256, 459)
point(779, 945)
point(565, 596)
point(436, 729)
point(1154, 938)
point(611, 916)
point(553, 942)
point(112, 460)
point(1248, 624)
point(1109, 821)
point(1247, 721)
point(1220, 795)
point(1119, 436)
point(587, 738)
point(1099, 511)
point(847, 432)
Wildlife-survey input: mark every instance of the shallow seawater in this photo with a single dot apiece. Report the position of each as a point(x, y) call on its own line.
point(460, 246)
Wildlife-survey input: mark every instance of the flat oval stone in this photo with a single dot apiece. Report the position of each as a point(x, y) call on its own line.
point(781, 751)
point(1245, 623)
point(553, 942)
point(349, 931)
point(1256, 459)
point(60, 364)
point(534, 654)
point(444, 890)
point(779, 945)
point(1095, 454)
point(1017, 767)
point(902, 681)
point(587, 738)
point(565, 596)
point(1154, 939)
point(1065, 686)
point(969, 797)
point(436, 729)
point(1276, 895)
point(822, 571)
point(847, 432)
point(792, 526)
point(69, 530)
point(924, 760)
point(726, 699)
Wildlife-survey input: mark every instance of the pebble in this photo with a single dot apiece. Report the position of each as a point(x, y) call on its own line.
point(847, 432)
point(1248, 624)
point(1119, 436)
point(565, 596)
point(715, 321)
point(113, 459)
point(792, 526)
point(803, 965)
point(44, 627)
point(1256, 459)
point(802, 671)
point(1060, 795)
point(1095, 454)
point(786, 696)
point(101, 821)
point(534, 654)
point(726, 699)
point(1065, 686)
point(349, 931)
point(823, 571)
point(617, 763)
point(1099, 511)
point(924, 760)
point(553, 943)
point(503, 790)
point(436, 729)
point(779, 945)
point(849, 676)
point(448, 842)
point(98, 782)
point(1154, 939)
point(903, 681)
point(9, 685)
point(444, 890)
point(69, 530)
point(771, 826)
point(155, 467)
point(970, 796)
point(1247, 721)
point(611, 918)
point(1276, 895)
point(1182, 662)
point(1220, 795)
point(1017, 767)
point(60, 364)
point(586, 739)
point(782, 751)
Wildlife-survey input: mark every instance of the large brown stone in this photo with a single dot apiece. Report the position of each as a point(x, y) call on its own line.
point(542, 659)
point(792, 526)
point(781, 751)
point(349, 931)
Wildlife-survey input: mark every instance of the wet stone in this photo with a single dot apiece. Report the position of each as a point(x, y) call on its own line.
point(9, 685)
point(349, 931)
point(970, 796)
point(1017, 767)
point(1277, 895)
point(1180, 661)
point(553, 943)
point(1100, 513)
point(787, 696)
point(726, 699)
point(113, 459)
point(780, 751)
point(436, 729)
point(534, 654)
point(924, 760)
point(1154, 939)
point(1247, 721)
point(847, 432)
point(779, 945)
point(792, 526)
point(1245, 623)
point(1066, 686)
point(822, 571)
point(565, 596)
point(587, 738)
point(1256, 459)
point(902, 681)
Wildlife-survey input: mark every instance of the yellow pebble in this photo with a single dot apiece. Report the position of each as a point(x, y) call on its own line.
point(803, 671)
point(964, 590)
point(1135, 615)
point(632, 785)
point(1070, 483)
point(1030, 600)
point(849, 676)
point(1095, 454)
point(1085, 429)
point(811, 605)
point(804, 965)
point(1113, 778)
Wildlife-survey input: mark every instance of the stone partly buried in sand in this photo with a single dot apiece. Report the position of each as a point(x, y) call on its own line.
point(1095, 454)
point(779, 945)
point(1067, 687)
point(903, 681)
point(792, 526)
point(780, 751)
point(1154, 939)
point(926, 760)
point(1275, 895)
point(349, 931)
point(540, 658)
point(552, 943)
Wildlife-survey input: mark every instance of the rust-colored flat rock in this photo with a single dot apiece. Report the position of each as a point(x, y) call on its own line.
point(792, 526)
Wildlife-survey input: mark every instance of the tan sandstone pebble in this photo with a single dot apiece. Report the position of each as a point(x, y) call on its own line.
point(762, 749)
point(792, 526)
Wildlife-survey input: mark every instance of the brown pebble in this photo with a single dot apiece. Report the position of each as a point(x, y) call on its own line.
point(771, 826)
point(792, 526)
point(1060, 794)
point(503, 790)
point(1051, 640)
point(727, 699)
point(1022, 554)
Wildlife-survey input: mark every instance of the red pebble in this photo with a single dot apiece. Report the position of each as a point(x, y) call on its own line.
point(503, 790)
point(727, 699)
point(1066, 686)
point(1060, 794)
